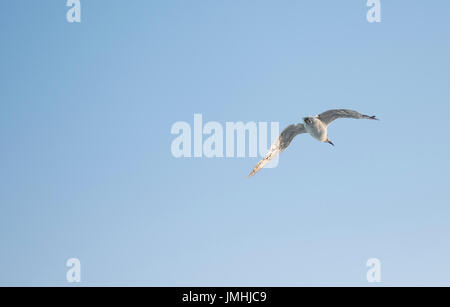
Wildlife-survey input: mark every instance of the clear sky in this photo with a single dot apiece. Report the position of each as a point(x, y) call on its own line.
point(86, 169)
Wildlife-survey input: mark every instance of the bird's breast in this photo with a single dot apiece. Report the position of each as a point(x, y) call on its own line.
point(317, 131)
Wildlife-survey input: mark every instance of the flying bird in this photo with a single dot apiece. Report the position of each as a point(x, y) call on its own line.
point(316, 126)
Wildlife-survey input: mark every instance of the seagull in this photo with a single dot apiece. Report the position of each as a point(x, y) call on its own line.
point(316, 126)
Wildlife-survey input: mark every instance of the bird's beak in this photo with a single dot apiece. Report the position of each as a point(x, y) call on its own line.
point(330, 142)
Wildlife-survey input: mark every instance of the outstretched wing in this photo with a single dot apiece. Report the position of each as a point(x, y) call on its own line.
point(328, 116)
point(280, 144)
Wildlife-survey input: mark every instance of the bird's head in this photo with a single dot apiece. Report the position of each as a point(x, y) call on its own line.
point(308, 120)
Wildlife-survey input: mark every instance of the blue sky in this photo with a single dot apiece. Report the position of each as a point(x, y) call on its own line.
point(87, 172)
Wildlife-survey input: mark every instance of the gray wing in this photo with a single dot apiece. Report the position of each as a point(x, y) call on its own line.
point(280, 144)
point(328, 116)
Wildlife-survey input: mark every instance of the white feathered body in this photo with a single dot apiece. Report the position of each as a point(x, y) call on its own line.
point(316, 128)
